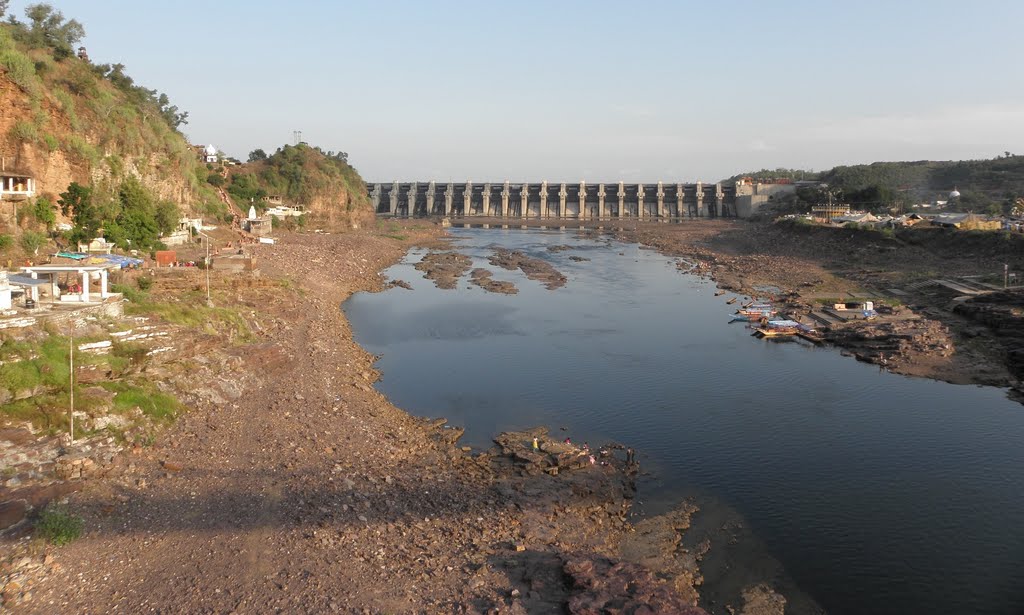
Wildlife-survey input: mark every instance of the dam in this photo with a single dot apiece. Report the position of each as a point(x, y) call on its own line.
point(582, 200)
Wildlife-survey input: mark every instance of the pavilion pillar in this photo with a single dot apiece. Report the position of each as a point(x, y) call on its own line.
point(103, 285)
point(85, 287)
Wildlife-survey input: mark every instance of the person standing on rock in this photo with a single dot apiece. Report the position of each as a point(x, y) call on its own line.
point(536, 444)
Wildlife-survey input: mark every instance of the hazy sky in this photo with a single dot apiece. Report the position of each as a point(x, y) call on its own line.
point(582, 89)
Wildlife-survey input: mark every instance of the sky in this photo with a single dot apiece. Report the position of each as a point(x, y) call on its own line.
point(571, 90)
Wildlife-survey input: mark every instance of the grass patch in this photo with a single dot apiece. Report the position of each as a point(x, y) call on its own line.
point(189, 310)
point(57, 526)
point(155, 404)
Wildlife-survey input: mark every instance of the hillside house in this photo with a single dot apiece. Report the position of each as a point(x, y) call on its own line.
point(16, 186)
point(183, 232)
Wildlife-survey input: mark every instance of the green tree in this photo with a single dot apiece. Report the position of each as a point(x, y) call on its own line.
point(3, 7)
point(44, 212)
point(166, 216)
point(48, 28)
point(31, 241)
point(77, 204)
point(257, 155)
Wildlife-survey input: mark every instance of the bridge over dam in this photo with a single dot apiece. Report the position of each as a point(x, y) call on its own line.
point(581, 200)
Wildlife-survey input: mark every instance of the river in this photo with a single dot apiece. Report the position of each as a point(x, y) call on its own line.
point(879, 493)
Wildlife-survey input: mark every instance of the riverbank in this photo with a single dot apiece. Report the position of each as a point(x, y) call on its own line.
point(304, 491)
point(931, 338)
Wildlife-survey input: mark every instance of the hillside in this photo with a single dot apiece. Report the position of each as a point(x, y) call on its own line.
point(107, 153)
point(983, 183)
point(331, 191)
point(991, 185)
point(66, 120)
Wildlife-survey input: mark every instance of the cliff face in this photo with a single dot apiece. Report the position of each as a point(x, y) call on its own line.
point(68, 120)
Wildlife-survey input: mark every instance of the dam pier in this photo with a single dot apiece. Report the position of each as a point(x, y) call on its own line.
point(583, 200)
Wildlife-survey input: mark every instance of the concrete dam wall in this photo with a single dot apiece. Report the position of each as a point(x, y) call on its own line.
point(589, 201)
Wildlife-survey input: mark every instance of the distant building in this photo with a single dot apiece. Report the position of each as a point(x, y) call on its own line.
point(210, 154)
point(830, 211)
point(83, 54)
point(967, 222)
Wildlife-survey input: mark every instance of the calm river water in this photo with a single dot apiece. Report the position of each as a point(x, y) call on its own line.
point(879, 493)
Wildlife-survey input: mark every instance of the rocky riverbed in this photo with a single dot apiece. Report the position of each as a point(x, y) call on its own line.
point(304, 488)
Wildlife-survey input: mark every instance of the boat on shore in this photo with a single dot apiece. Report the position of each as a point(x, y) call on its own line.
point(757, 311)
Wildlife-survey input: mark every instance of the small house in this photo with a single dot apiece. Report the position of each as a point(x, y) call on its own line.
point(96, 246)
point(16, 186)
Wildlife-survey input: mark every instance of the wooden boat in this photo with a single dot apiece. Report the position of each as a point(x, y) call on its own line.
point(719, 293)
point(731, 301)
point(778, 328)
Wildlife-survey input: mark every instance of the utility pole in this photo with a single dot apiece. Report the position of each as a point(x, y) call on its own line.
point(209, 302)
point(1006, 275)
point(71, 379)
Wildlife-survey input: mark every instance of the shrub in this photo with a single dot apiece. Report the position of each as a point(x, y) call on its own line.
point(57, 526)
point(51, 142)
point(6, 241)
point(31, 241)
point(20, 69)
point(81, 148)
point(24, 132)
point(144, 283)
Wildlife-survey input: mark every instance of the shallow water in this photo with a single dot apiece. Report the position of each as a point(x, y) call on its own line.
point(879, 493)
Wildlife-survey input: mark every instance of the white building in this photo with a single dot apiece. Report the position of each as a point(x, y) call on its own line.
point(210, 154)
point(16, 186)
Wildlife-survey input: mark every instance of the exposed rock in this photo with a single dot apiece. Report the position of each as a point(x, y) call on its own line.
point(444, 268)
point(534, 268)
